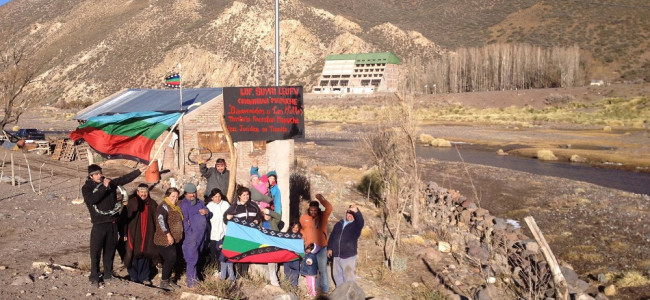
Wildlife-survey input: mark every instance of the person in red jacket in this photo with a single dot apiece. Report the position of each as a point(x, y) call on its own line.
point(343, 245)
point(314, 230)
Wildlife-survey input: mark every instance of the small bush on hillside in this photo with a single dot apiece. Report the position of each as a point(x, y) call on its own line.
point(633, 279)
point(372, 181)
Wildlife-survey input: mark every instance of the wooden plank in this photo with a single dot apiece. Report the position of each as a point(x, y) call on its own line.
point(561, 290)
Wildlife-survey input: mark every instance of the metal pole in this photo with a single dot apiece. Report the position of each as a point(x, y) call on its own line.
point(277, 42)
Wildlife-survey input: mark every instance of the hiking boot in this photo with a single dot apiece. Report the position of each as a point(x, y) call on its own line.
point(174, 285)
point(164, 284)
point(147, 283)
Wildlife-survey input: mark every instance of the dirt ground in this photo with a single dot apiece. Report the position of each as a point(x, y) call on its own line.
point(595, 229)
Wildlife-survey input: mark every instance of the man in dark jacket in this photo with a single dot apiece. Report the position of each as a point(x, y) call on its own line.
point(218, 177)
point(342, 245)
point(100, 196)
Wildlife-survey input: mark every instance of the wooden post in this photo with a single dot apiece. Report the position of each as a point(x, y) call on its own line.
point(40, 178)
point(2, 173)
point(13, 178)
point(29, 172)
point(561, 290)
point(233, 160)
point(277, 155)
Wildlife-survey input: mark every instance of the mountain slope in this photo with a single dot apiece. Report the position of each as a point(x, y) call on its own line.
point(89, 49)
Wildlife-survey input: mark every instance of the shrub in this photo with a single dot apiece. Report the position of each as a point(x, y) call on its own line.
point(372, 181)
point(546, 154)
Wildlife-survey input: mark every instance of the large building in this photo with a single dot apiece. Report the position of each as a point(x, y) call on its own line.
point(359, 73)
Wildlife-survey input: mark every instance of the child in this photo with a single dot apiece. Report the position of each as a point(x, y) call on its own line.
point(227, 267)
point(309, 269)
point(260, 198)
point(292, 268)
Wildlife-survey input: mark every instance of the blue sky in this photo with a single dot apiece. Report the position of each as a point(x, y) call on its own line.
point(3, 1)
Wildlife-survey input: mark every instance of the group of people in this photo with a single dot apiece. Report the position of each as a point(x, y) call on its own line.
point(146, 233)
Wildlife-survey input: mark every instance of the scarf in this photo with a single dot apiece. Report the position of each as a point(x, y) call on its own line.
point(174, 207)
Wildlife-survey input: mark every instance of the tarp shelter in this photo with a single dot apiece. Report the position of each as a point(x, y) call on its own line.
point(202, 127)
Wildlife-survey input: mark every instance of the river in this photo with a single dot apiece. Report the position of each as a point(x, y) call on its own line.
point(635, 182)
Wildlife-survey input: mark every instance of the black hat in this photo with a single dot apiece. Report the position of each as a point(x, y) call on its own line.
point(93, 169)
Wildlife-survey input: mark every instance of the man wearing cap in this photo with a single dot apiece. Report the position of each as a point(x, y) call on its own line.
point(100, 196)
point(343, 245)
point(195, 224)
point(218, 177)
point(314, 230)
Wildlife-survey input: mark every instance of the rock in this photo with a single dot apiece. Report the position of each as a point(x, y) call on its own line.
point(89, 294)
point(3, 267)
point(479, 253)
point(583, 296)
point(570, 276)
point(289, 296)
point(433, 255)
point(349, 290)
point(444, 247)
point(581, 286)
point(602, 278)
point(610, 290)
point(489, 292)
point(500, 152)
point(21, 280)
point(415, 285)
point(532, 246)
point(601, 296)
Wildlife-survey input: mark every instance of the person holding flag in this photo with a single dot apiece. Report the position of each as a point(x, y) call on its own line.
point(100, 196)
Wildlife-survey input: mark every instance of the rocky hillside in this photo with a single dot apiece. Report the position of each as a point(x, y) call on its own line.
point(89, 49)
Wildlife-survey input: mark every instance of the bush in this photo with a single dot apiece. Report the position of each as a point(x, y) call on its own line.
point(371, 180)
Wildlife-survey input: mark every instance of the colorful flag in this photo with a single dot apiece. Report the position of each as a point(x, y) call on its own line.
point(247, 242)
point(173, 81)
point(127, 136)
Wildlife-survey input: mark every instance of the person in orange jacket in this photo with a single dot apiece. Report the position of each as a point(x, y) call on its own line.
point(314, 230)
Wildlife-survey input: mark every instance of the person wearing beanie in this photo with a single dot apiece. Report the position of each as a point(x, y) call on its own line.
point(100, 197)
point(343, 245)
point(195, 225)
point(217, 177)
point(309, 269)
point(274, 190)
point(314, 230)
point(140, 249)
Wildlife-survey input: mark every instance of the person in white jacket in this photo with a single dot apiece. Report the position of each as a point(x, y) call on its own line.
point(217, 207)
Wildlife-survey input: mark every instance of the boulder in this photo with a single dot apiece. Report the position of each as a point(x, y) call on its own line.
point(348, 291)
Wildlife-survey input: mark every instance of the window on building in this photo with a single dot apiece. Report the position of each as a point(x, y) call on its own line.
point(345, 76)
point(334, 83)
point(213, 140)
point(344, 83)
point(375, 82)
point(365, 82)
point(326, 76)
point(323, 83)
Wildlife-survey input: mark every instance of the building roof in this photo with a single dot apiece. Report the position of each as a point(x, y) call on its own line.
point(134, 100)
point(367, 58)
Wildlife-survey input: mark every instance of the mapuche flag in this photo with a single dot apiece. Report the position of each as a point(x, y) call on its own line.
point(247, 242)
point(173, 81)
point(128, 136)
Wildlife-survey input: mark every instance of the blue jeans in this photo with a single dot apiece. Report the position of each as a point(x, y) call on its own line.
point(323, 278)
